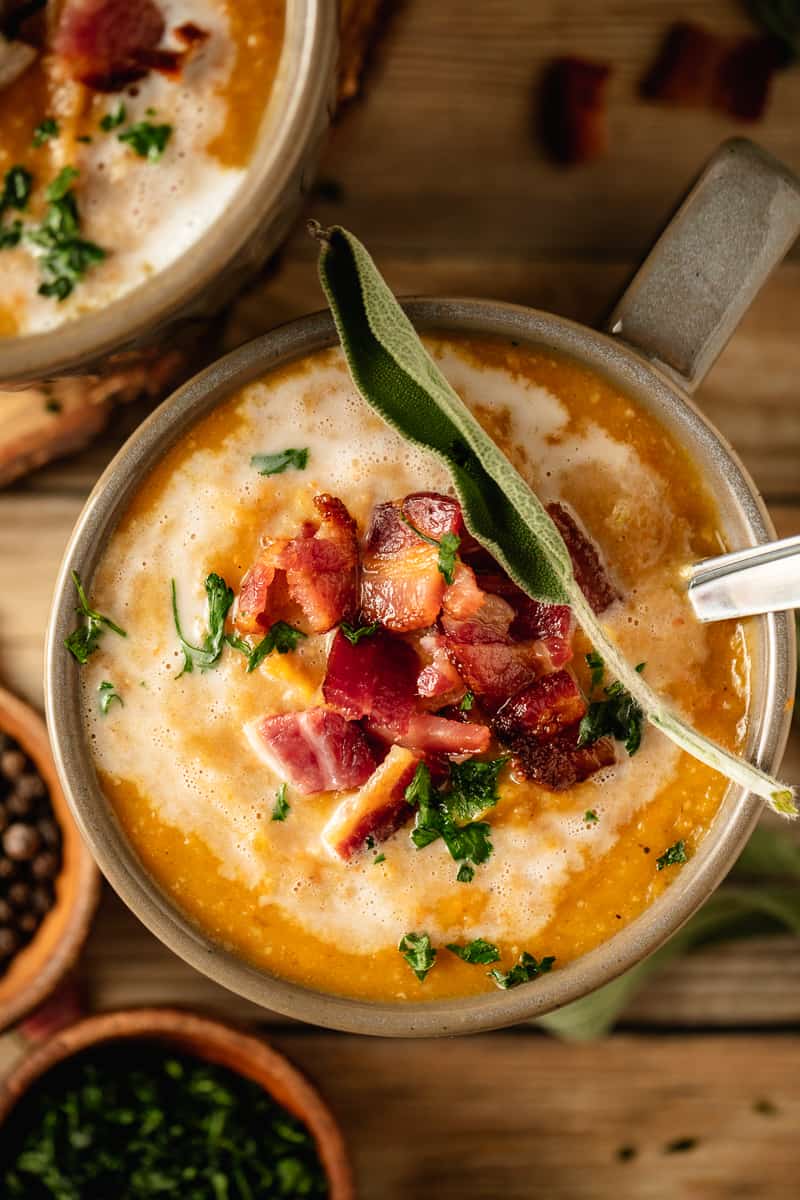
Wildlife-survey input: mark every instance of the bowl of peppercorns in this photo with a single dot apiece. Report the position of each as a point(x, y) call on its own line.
point(49, 884)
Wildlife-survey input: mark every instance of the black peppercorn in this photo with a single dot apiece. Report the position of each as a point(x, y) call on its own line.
point(6, 914)
point(12, 763)
point(8, 942)
point(30, 786)
point(21, 842)
point(19, 894)
point(45, 865)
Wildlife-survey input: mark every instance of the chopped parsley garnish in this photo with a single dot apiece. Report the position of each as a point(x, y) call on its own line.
point(62, 183)
point(590, 817)
point(467, 702)
point(66, 256)
point(473, 787)
point(354, 634)
point(379, 858)
point(618, 716)
point(597, 667)
point(45, 130)
point(147, 140)
point(448, 545)
point(673, 856)
point(114, 118)
point(108, 694)
point(17, 184)
point(281, 808)
point(525, 971)
point(83, 641)
point(447, 814)
point(207, 655)
point(280, 636)
point(416, 949)
point(10, 235)
point(276, 464)
point(477, 951)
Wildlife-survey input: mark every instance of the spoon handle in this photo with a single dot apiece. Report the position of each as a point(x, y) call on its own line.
point(760, 579)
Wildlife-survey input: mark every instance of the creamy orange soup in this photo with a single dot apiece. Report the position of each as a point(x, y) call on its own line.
point(156, 159)
point(568, 868)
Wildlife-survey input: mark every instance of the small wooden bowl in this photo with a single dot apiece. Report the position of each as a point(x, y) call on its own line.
point(205, 1039)
point(38, 968)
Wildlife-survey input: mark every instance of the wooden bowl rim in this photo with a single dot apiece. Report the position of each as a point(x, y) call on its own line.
point(220, 1042)
point(23, 723)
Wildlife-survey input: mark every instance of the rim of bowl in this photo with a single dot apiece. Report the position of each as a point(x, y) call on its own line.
point(300, 93)
point(26, 726)
point(774, 664)
point(206, 1039)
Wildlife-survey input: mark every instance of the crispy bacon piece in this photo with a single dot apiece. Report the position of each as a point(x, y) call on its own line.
point(252, 603)
point(433, 513)
point(685, 68)
point(103, 42)
point(551, 625)
point(401, 585)
point(314, 751)
point(697, 68)
point(322, 570)
point(560, 763)
point(542, 709)
point(590, 574)
point(435, 735)
point(378, 810)
point(375, 678)
point(463, 597)
point(745, 76)
point(495, 670)
point(573, 110)
point(438, 681)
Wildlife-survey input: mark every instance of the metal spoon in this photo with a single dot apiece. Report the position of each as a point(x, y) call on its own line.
point(760, 579)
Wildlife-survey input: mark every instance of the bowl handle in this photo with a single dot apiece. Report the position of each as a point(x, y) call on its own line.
point(731, 231)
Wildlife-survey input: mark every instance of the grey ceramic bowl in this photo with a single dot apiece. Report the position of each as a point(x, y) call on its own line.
point(658, 389)
point(258, 217)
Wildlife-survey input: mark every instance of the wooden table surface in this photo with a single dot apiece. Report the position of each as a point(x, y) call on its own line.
point(438, 170)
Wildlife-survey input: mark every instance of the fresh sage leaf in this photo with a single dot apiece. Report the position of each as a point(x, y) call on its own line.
point(398, 379)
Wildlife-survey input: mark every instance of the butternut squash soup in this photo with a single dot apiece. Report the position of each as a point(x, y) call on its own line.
point(344, 742)
point(125, 129)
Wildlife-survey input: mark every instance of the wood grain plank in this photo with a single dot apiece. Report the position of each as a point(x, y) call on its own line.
point(521, 1117)
point(444, 153)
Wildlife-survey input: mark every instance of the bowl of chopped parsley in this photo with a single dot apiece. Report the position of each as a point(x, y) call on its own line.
point(160, 1103)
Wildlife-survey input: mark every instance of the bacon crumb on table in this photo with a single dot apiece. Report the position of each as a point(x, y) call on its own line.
point(573, 110)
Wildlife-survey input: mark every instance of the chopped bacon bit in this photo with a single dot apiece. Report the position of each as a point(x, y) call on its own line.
point(314, 751)
point(489, 623)
point(401, 585)
point(560, 763)
point(696, 68)
point(551, 625)
point(590, 574)
point(252, 603)
point(191, 34)
point(378, 810)
point(173, 62)
point(573, 110)
point(438, 680)
point(542, 709)
point(322, 567)
point(375, 678)
point(433, 514)
point(463, 597)
point(686, 66)
point(435, 735)
point(103, 42)
point(495, 670)
point(745, 75)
